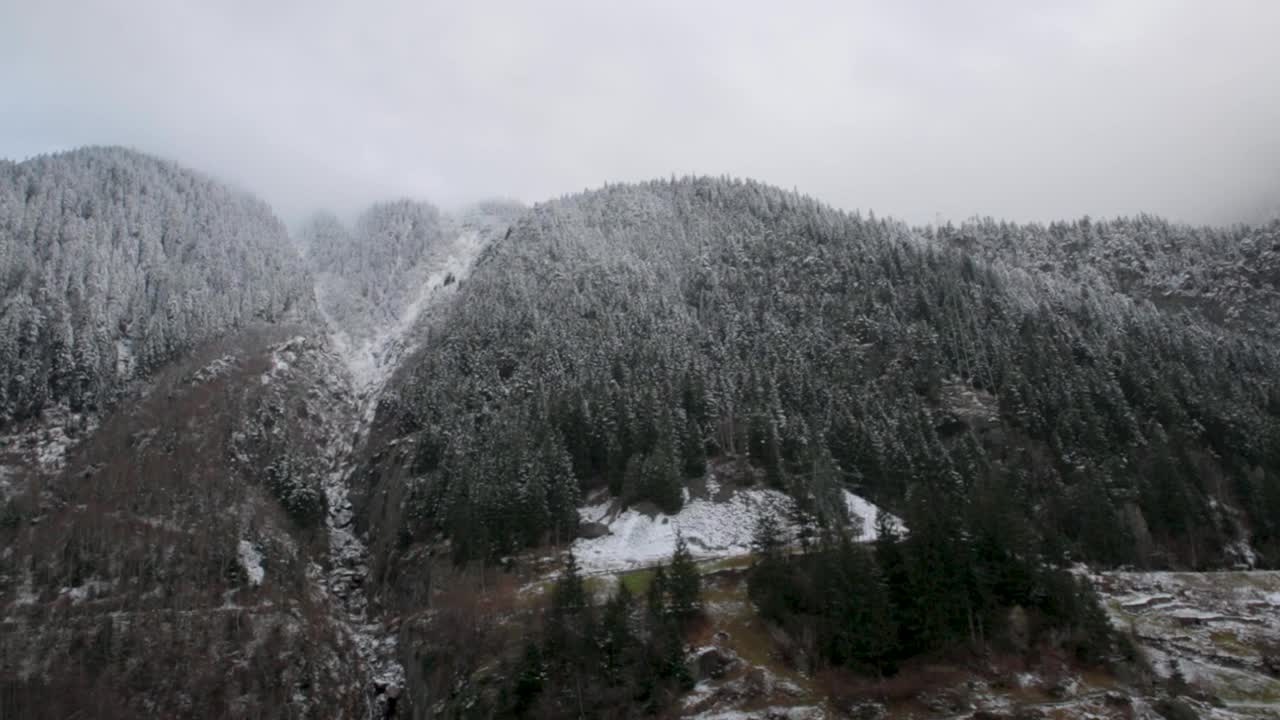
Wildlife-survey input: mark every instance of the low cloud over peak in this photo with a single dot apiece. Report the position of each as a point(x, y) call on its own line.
point(922, 110)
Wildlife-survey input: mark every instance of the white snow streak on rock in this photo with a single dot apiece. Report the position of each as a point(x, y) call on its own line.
point(371, 360)
point(369, 364)
point(251, 560)
point(126, 362)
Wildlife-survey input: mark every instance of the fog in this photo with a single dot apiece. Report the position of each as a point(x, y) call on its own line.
point(922, 110)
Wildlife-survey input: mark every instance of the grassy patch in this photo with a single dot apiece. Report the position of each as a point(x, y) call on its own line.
point(736, 562)
point(1239, 689)
point(1229, 642)
point(721, 593)
point(637, 581)
point(598, 586)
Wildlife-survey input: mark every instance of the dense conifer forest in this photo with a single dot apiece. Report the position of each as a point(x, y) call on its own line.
point(115, 263)
point(621, 337)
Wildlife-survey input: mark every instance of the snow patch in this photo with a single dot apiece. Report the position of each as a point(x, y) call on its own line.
point(251, 561)
point(215, 369)
point(803, 712)
point(126, 361)
point(90, 589)
point(711, 529)
point(283, 356)
point(862, 515)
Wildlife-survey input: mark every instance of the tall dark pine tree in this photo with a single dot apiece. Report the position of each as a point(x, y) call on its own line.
point(685, 584)
point(616, 639)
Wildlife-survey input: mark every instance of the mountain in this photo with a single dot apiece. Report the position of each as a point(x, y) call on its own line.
point(116, 263)
point(620, 338)
point(427, 464)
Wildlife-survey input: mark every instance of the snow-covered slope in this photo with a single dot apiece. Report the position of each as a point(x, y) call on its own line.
point(720, 525)
point(370, 357)
point(368, 344)
point(375, 283)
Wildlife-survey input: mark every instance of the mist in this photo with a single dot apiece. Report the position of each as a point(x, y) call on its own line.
point(920, 110)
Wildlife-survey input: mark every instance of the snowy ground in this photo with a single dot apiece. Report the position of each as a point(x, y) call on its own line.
point(711, 528)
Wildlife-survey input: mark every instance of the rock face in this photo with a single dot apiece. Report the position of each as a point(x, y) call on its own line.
point(201, 547)
point(592, 530)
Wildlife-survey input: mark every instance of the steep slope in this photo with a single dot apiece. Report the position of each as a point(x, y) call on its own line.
point(115, 263)
point(374, 281)
point(188, 532)
point(617, 338)
point(379, 288)
point(197, 525)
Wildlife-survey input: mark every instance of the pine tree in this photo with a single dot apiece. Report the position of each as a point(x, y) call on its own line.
point(685, 584)
point(768, 584)
point(694, 451)
point(864, 633)
point(662, 482)
point(563, 494)
point(616, 638)
point(569, 597)
point(658, 594)
point(529, 679)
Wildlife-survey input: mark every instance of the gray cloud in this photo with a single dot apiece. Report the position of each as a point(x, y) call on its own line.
point(1032, 111)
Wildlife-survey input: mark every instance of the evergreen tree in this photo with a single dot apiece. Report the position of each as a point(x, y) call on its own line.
point(569, 596)
point(658, 597)
point(529, 679)
point(616, 639)
point(694, 451)
point(684, 583)
point(769, 583)
point(862, 632)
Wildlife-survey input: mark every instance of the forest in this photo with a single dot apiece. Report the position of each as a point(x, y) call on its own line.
point(621, 337)
point(115, 263)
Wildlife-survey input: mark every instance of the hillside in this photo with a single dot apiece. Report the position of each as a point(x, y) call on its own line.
point(621, 337)
point(116, 263)
point(192, 511)
point(196, 524)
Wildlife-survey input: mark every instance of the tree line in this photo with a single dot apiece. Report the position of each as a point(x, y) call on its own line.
point(622, 658)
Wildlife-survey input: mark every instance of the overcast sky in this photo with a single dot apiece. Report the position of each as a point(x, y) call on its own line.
point(1028, 110)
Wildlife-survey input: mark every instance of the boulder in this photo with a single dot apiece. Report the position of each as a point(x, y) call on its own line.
point(713, 663)
point(593, 530)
